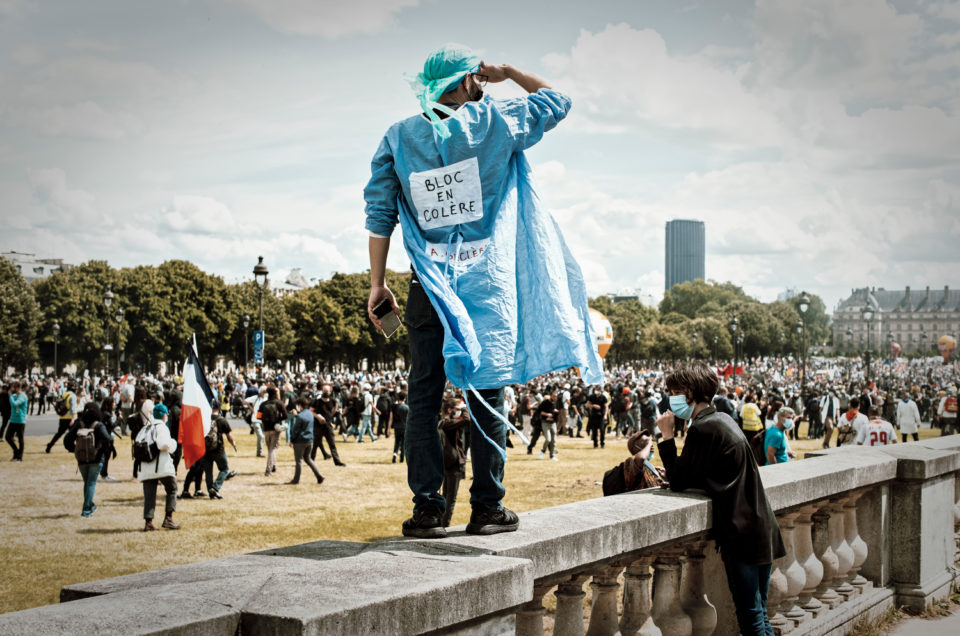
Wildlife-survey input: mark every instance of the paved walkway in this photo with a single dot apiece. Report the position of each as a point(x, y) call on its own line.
point(949, 626)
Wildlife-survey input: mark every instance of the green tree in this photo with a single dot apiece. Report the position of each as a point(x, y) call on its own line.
point(690, 297)
point(74, 299)
point(317, 325)
point(667, 342)
point(19, 318)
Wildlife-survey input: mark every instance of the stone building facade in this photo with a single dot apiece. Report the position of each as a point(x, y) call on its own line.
point(908, 314)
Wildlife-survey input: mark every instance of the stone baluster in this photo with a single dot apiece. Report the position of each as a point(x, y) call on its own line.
point(792, 570)
point(838, 541)
point(776, 593)
point(603, 610)
point(569, 617)
point(667, 612)
point(636, 619)
point(530, 616)
point(828, 559)
point(812, 568)
point(693, 598)
point(855, 541)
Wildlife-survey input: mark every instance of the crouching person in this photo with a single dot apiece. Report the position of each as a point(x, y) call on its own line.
point(717, 459)
point(153, 447)
point(636, 472)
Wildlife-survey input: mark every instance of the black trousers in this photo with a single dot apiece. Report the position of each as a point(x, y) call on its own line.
point(62, 427)
point(15, 431)
point(398, 443)
point(324, 432)
point(3, 425)
point(594, 429)
point(150, 496)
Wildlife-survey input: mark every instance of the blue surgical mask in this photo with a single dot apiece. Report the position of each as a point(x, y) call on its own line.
point(787, 424)
point(680, 408)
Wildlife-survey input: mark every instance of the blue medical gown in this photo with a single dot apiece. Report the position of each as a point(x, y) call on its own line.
point(508, 291)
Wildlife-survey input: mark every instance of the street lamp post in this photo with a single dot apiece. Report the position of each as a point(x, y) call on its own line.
point(120, 313)
point(782, 370)
point(890, 342)
point(246, 340)
point(716, 360)
point(636, 337)
point(803, 305)
point(923, 344)
point(867, 315)
point(849, 350)
point(107, 302)
point(56, 341)
point(803, 374)
point(734, 325)
point(260, 274)
point(695, 337)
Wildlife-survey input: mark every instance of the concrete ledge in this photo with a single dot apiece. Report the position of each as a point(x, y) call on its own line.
point(919, 463)
point(870, 606)
point(919, 597)
point(180, 610)
point(824, 474)
point(388, 592)
point(944, 442)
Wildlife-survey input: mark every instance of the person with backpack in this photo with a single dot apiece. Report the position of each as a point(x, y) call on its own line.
point(947, 412)
point(89, 441)
point(327, 409)
point(66, 408)
point(216, 454)
point(273, 420)
point(152, 449)
point(384, 412)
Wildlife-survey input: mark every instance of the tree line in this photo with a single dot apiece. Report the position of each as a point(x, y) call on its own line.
point(326, 325)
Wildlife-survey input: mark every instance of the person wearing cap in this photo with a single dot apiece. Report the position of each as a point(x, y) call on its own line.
point(159, 471)
point(486, 306)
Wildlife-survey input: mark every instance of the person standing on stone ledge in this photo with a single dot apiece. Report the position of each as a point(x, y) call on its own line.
point(717, 459)
point(496, 297)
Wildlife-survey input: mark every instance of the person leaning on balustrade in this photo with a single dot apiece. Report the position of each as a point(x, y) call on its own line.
point(717, 459)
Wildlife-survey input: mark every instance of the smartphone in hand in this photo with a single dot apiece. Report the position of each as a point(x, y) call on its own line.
point(388, 318)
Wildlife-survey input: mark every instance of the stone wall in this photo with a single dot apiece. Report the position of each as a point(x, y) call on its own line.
point(865, 529)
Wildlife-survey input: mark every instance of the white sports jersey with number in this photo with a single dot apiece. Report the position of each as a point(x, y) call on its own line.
point(877, 433)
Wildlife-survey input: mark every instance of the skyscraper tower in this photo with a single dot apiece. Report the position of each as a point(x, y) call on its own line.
point(685, 251)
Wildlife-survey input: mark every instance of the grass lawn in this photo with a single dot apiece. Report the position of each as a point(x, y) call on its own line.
point(45, 543)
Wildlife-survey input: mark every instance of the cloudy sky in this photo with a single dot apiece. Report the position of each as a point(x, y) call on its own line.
point(818, 140)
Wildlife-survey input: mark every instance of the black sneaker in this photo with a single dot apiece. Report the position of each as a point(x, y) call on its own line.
point(424, 525)
point(486, 521)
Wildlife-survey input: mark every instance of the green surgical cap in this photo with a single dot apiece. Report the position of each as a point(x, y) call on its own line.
point(443, 71)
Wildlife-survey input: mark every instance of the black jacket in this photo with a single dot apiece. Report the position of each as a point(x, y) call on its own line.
point(717, 459)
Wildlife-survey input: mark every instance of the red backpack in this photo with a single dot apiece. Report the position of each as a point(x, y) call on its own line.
point(950, 406)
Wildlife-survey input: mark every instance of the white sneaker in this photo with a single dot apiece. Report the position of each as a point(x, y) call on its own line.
point(541, 454)
point(554, 459)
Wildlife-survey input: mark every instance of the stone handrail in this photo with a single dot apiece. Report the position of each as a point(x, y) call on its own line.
point(852, 520)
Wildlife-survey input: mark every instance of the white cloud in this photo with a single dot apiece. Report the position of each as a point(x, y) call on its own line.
point(625, 78)
point(198, 214)
point(327, 18)
point(854, 49)
point(64, 205)
point(947, 10)
point(83, 119)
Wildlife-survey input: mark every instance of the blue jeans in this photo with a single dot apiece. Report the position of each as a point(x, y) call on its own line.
point(421, 438)
point(89, 472)
point(748, 586)
point(365, 428)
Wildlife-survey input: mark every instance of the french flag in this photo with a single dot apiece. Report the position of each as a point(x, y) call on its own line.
point(195, 411)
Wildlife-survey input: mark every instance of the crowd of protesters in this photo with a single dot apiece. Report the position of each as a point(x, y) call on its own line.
point(312, 412)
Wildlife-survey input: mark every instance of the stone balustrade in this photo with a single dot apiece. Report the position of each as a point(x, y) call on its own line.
point(864, 529)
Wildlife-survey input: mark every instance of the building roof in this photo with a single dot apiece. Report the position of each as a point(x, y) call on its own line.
point(906, 300)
